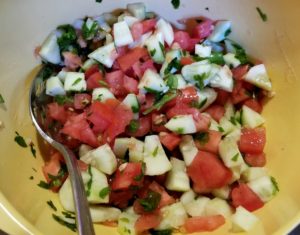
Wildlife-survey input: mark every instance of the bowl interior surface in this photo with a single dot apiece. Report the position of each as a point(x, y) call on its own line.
point(25, 24)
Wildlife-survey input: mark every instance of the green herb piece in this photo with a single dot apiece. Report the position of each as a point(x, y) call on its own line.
point(233, 121)
point(240, 53)
point(175, 3)
point(173, 64)
point(68, 38)
point(89, 183)
point(47, 71)
point(99, 1)
point(62, 99)
point(50, 203)
point(216, 58)
point(99, 97)
point(89, 32)
point(68, 215)
point(162, 48)
point(179, 130)
point(161, 232)
point(172, 82)
point(140, 176)
point(241, 117)
point(202, 137)
point(221, 129)
point(158, 105)
point(235, 157)
point(103, 83)
point(152, 91)
point(69, 225)
point(262, 15)
point(227, 32)
point(43, 185)
point(152, 52)
point(199, 79)
point(20, 141)
point(198, 105)
point(78, 80)
point(133, 126)
point(155, 151)
point(276, 187)
point(135, 108)
point(32, 149)
point(125, 220)
point(1, 99)
point(31, 178)
point(151, 202)
point(104, 192)
point(34, 169)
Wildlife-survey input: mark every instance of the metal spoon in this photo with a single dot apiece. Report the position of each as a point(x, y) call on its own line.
point(37, 102)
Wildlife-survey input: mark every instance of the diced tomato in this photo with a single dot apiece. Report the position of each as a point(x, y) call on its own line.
point(82, 100)
point(239, 72)
point(216, 111)
point(130, 85)
point(212, 144)
point(243, 196)
point(161, 179)
point(137, 30)
point(52, 167)
point(252, 140)
point(93, 80)
point(122, 117)
point(112, 103)
point(169, 140)
point(122, 50)
point(208, 171)
point(148, 25)
point(148, 103)
point(222, 96)
point(158, 122)
point(120, 198)
point(203, 223)
point(203, 30)
point(186, 60)
point(148, 64)
point(254, 104)
point(131, 175)
point(136, 67)
point(144, 124)
point(239, 93)
point(82, 165)
point(256, 160)
point(57, 112)
point(188, 95)
point(127, 61)
point(146, 222)
point(116, 81)
point(183, 39)
point(78, 128)
point(93, 69)
point(165, 199)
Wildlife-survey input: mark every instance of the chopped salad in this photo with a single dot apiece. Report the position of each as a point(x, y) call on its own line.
point(166, 123)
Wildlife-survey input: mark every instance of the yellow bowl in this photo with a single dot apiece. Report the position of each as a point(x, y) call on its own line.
point(24, 24)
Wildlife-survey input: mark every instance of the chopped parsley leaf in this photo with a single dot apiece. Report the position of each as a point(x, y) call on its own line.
point(89, 183)
point(31, 178)
point(1, 99)
point(32, 149)
point(125, 220)
point(172, 82)
point(140, 176)
point(43, 185)
point(198, 105)
point(233, 121)
point(262, 15)
point(20, 141)
point(151, 202)
point(133, 126)
point(158, 105)
point(202, 137)
point(152, 52)
point(227, 32)
point(162, 48)
point(221, 129)
point(62, 99)
point(76, 81)
point(69, 215)
point(161, 232)
point(50, 203)
point(175, 3)
point(99, 97)
point(89, 32)
point(103, 83)
point(235, 157)
point(69, 225)
point(104, 192)
point(174, 63)
point(274, 182)
point(180, 130)
point(68, 39)
point(47, 71)
point(199, 79)
point(155, 151)
point(240, 53)
point(99, 1)
point(216, 58)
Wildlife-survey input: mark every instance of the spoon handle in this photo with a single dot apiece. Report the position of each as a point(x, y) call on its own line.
point(83, 216)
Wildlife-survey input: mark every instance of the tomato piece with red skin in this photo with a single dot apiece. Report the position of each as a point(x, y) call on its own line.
point(93, 80)
point(148, 25)
point(208, 171)
point(130, 85)
point(82, 100)
point(169, 140)
point(158, 122)
point(222, 97)
point(129, 59)
point(57, 112)
point(78, 128)
point(216, 111)
point(165, 199)
point(242, 195)
point(212, 143)
point(148, 102)
point(203, 223)
point(82, 165)
point(148, 64)
point(144, 127)
point(239, 72)
point(52, 166)
point(183, 39)
point(186, 60)
point(137, 30)
point(239, 93)
point(252, 140)
point(122, 50)
point(131, 175)
point(146, 222)
point(254, 105)
point(255, 160)
point(203, 29)
point(115, 81)
point(91, 70)
point(120, 198)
